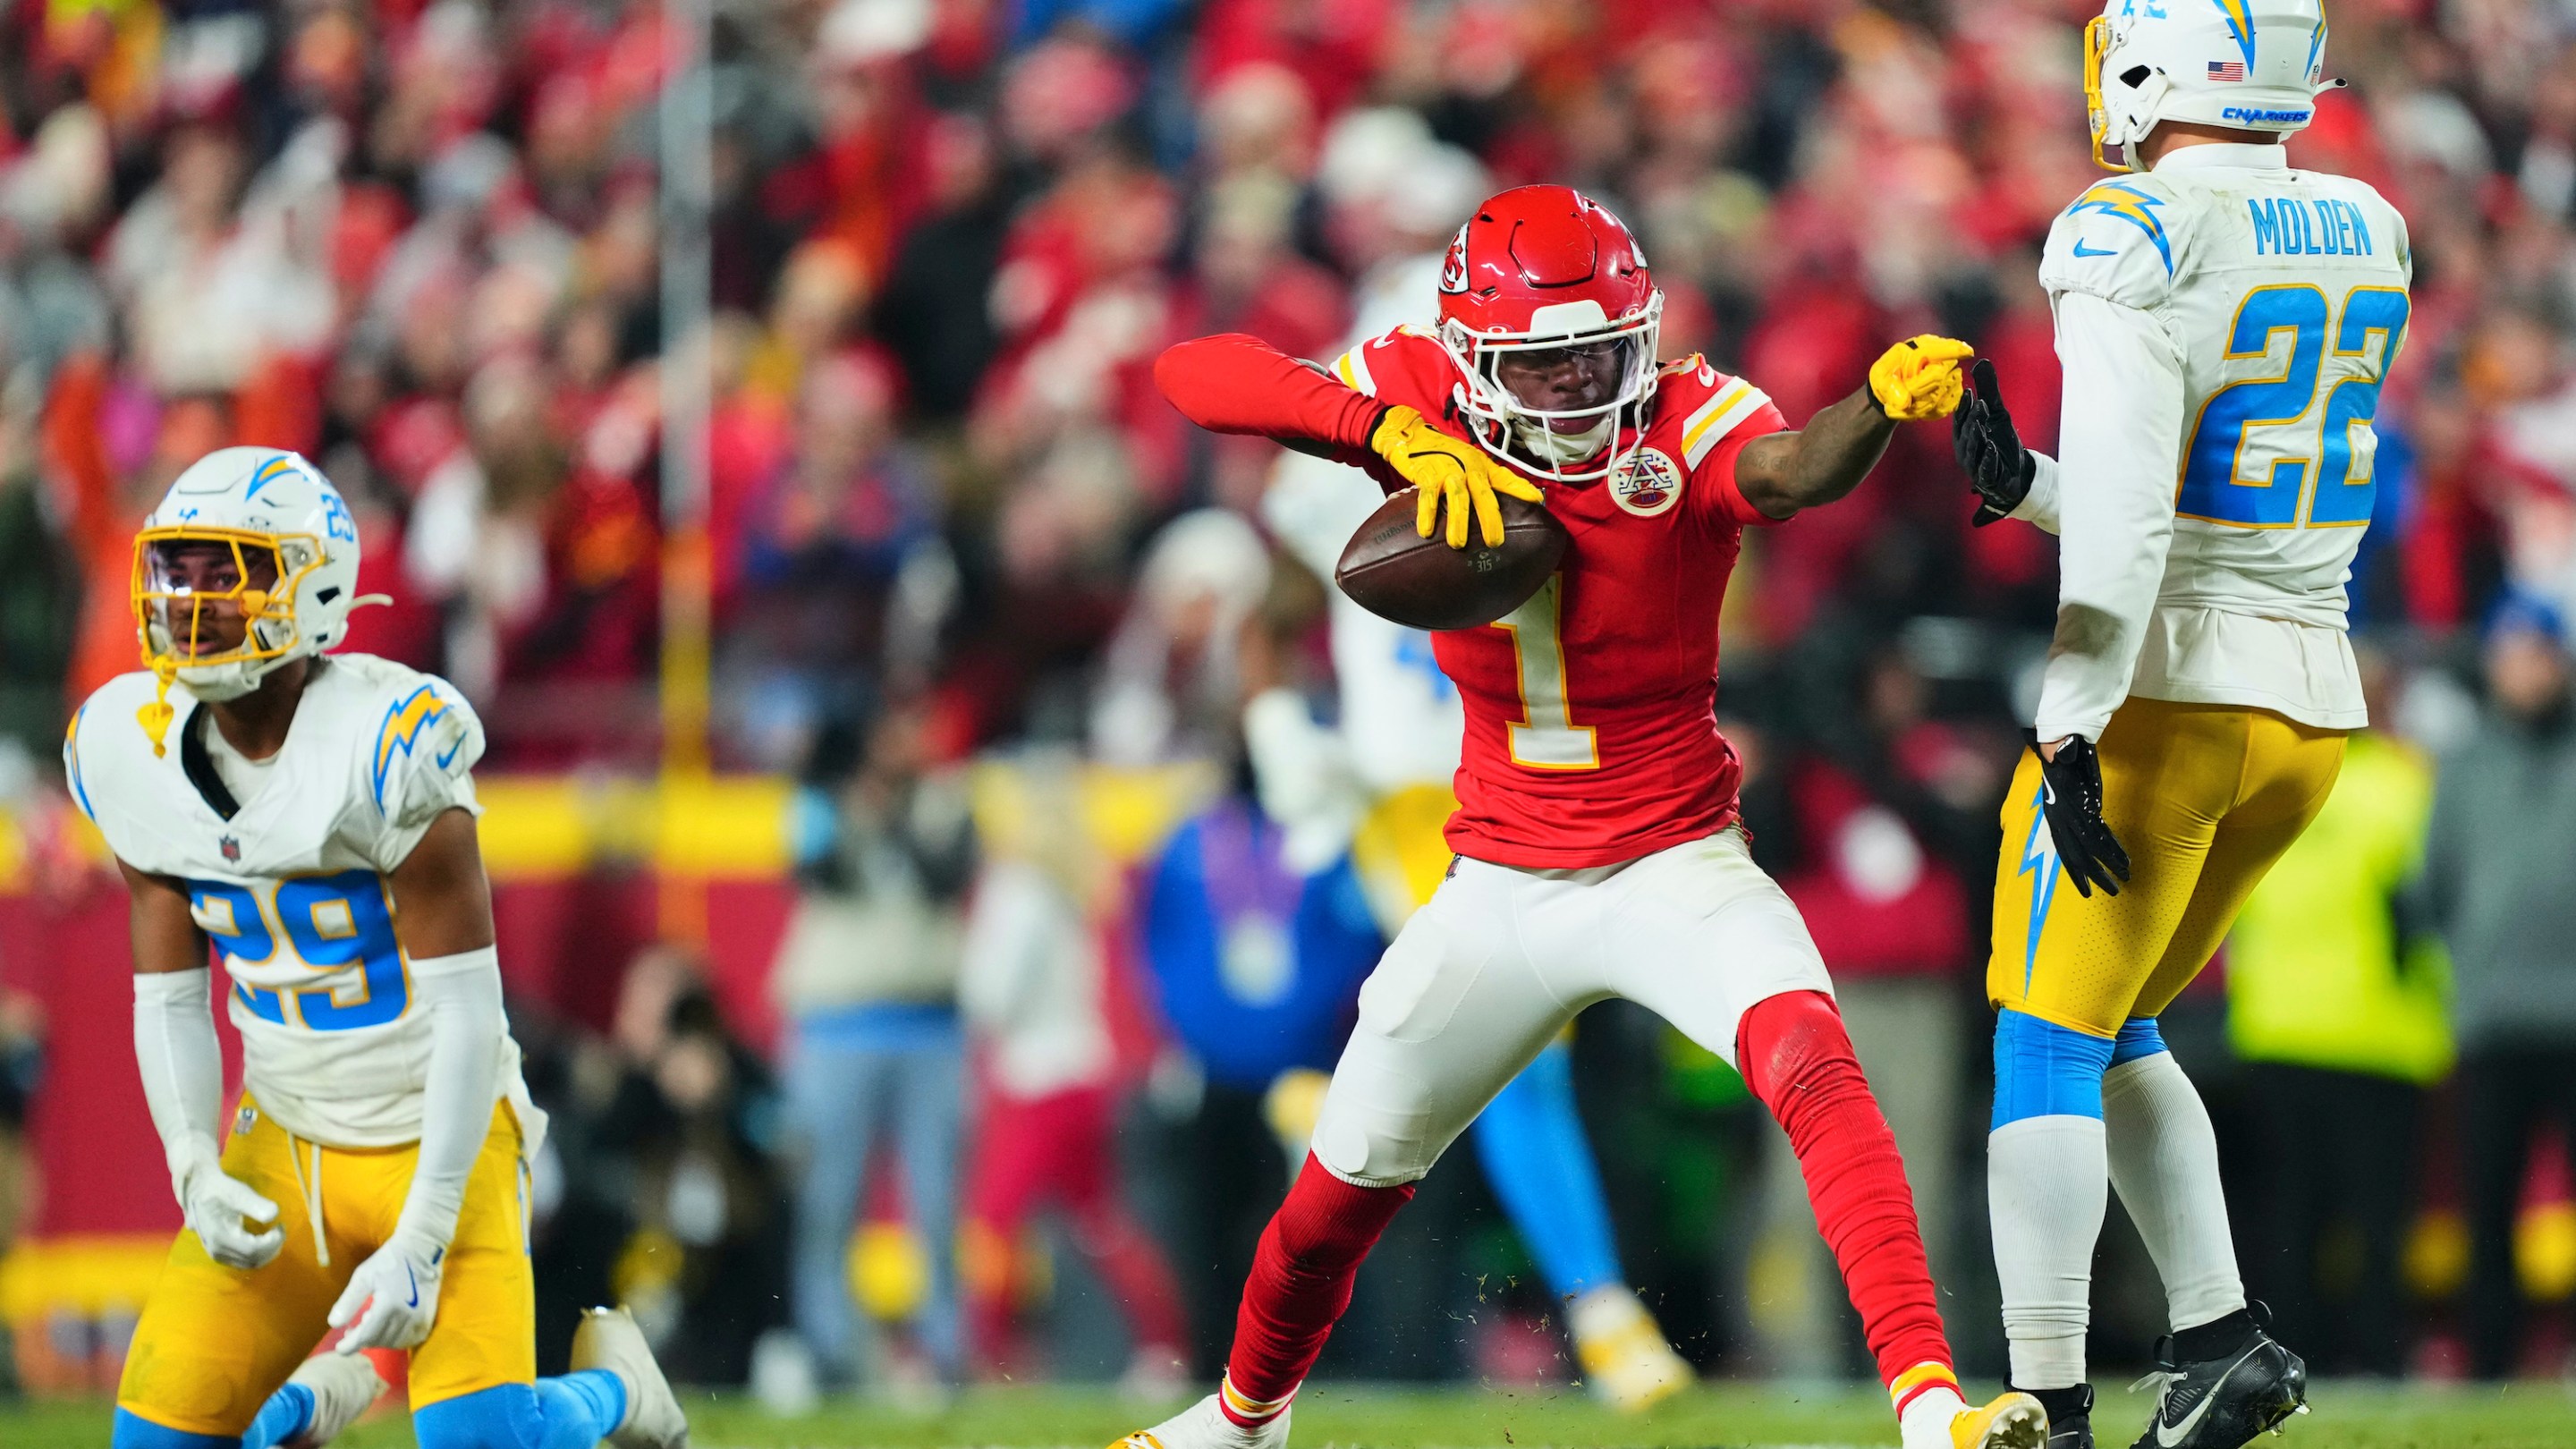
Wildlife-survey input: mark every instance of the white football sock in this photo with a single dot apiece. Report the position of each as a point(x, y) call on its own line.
point(1925, 1424)
point(2164, 1160)
point(2047, 1186)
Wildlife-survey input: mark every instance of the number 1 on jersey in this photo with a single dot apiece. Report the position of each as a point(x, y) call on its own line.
point(1546, 737)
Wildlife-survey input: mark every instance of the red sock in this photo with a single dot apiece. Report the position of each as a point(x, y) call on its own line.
point(1798, 1059)
point(1300, 1283)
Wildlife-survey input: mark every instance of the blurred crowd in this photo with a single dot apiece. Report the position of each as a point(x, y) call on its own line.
point(950, 518)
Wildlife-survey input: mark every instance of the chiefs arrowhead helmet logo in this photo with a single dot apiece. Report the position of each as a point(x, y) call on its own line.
point(1453, 269)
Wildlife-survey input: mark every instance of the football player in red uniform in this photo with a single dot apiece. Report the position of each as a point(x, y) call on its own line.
point(1598, 851)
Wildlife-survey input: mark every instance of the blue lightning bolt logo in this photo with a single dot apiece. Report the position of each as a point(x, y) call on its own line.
point(402, 727)
point(2039, 857)
point(2240, 24)
point(2113, 198)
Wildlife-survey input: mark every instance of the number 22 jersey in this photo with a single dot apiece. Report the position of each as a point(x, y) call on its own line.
point(2225, 321)
point(291, 886)
point(1591, 731)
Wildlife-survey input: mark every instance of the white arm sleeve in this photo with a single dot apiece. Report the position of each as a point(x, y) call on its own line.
point(183, 1069)
point(2120, 431)
point(462, 994)
point(2038, 507)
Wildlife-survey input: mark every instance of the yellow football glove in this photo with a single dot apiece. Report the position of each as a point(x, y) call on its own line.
point(1440, 466)
point(1919, 377)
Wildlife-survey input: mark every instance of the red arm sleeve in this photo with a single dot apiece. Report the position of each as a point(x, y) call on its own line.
point(1232, 383)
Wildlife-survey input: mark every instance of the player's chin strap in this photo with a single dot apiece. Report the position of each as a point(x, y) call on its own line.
point(156, 716)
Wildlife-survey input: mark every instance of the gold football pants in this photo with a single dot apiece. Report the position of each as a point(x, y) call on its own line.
point(2204, 798)
point(215, 1342)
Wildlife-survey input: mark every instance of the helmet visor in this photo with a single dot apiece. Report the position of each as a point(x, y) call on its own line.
point(1570, 384)
point(215, 595)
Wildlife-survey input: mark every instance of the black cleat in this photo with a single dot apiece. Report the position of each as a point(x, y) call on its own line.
point(2222, 1384)
point(2070, 1415)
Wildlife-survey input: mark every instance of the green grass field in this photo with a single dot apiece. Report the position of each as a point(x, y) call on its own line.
point(1734, 1416)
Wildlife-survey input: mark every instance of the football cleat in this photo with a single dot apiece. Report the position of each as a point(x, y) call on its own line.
point(1203, 1425)
point(1626, 1362)
point(2223, 1400)
point(343, 1385)
point(608, 1339)
point(2012, 1421)
point(2070, 1415)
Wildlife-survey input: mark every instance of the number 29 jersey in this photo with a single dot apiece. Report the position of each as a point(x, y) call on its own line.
point(2279, 298)
point(1591, 734)
point(291, 886)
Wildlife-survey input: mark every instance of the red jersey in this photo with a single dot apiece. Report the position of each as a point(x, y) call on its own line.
point(1591, 727)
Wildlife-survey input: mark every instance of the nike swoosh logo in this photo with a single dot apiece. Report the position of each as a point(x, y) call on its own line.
point(2170, 1438)
point(2082, 250)
point(415, 1292)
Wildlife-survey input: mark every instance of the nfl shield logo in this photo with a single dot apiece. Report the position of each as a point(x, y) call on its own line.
point(231, 848)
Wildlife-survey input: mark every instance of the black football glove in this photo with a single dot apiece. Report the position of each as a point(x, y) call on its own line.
point(2072, 799)
point(1989, 451)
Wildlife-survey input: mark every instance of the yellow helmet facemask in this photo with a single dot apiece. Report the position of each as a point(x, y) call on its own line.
point(2097, 43)
point(168, 614)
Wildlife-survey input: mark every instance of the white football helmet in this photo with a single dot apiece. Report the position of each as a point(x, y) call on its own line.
point(293, 573)
point(2256, 65)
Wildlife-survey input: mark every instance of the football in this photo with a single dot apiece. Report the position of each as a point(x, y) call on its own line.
point(1397, 574)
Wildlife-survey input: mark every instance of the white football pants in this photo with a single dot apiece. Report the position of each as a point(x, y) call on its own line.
point(1500, 959)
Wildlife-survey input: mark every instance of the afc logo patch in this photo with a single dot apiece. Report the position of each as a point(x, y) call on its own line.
point(1649, 485)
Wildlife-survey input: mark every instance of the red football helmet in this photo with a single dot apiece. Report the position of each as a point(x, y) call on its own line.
point(1539, 268)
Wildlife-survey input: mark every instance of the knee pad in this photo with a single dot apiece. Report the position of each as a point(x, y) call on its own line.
point(132, 1431)
point(2043, 1069)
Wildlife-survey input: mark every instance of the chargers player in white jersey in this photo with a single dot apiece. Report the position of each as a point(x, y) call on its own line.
point(2225, 321)
point(311, 817)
